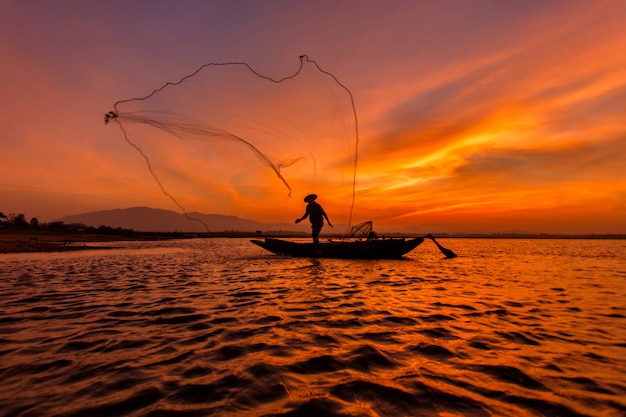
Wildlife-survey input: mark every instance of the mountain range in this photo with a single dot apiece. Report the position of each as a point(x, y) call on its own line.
point(148, 219)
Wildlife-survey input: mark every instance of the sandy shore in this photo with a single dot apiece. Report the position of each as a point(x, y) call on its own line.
point(12, 241)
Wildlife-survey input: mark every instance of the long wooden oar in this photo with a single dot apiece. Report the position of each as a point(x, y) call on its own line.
point(447, 252)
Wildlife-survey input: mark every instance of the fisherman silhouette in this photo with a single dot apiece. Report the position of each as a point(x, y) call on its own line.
point(316, 215)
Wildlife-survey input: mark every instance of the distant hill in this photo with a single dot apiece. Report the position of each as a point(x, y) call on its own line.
point(157, 220)
point(145, 219)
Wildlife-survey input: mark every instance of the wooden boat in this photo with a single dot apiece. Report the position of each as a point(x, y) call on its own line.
point(363, 249)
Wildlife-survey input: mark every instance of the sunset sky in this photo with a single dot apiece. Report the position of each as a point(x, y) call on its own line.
point(473, 116)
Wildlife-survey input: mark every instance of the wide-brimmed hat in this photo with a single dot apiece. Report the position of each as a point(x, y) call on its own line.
point(310, 197)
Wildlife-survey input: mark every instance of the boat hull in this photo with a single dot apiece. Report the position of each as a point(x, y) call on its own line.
point(371, 249)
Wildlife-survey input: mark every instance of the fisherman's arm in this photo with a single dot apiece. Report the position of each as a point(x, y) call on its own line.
point(306, 214)
point(327, 221)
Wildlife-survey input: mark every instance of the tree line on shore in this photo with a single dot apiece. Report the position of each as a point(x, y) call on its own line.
point(18, 221)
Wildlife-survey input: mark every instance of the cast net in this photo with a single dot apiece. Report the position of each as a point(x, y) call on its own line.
point(229, 137)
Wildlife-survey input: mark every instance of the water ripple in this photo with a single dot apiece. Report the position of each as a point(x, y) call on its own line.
point(199, 328)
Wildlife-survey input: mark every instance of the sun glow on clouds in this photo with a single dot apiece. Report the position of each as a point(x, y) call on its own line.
point(489, 116)
point(521, 133)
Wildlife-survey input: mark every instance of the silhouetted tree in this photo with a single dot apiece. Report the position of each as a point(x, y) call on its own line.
point(20, 220)
point(56, 225)
point(34, 222)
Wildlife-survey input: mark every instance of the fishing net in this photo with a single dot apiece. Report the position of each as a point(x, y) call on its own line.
point(228, 136)
point(361, 231)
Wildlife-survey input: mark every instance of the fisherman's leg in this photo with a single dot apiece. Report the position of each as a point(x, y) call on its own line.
point(315, 232)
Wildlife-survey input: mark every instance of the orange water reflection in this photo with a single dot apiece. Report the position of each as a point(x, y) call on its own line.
point(507, 328)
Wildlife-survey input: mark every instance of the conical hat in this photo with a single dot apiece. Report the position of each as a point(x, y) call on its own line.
point(310, 197)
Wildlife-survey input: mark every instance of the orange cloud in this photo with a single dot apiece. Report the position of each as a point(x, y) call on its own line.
point(536, 131)
point(493, 117)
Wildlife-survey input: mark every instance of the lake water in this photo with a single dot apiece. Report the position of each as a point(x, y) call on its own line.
point(221, 328)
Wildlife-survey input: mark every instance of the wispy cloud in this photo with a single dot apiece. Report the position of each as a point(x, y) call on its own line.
point(494, 115)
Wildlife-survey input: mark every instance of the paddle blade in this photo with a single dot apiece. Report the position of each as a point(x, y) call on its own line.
point(446, 252)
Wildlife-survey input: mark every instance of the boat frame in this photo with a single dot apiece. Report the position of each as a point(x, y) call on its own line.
point(363, 249)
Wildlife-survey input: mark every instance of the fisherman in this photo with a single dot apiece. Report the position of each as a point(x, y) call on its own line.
point(316, 215)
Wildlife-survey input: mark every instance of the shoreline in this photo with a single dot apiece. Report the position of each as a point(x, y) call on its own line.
point(13, 240)
point(30, 241)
